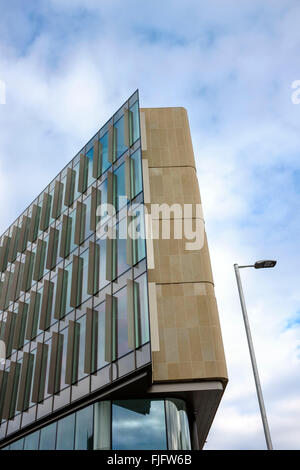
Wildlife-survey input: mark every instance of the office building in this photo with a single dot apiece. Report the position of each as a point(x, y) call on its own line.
point(112, 341)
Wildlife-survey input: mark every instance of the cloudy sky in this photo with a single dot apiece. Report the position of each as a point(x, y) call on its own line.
point(69, 64)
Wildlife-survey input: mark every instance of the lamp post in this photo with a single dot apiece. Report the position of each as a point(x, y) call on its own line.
point(258, 265)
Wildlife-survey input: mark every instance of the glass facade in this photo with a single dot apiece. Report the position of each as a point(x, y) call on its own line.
point(65, 289)
point(141, 424)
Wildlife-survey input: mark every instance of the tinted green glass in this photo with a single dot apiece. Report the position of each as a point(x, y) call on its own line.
point(48, 437)
point(85, 261)
point(104, 146)
point(119, 145)
point(120, 199)
point(136, 173)
point(141, 309)
point(76, 192)
point(17, 445)
point(177, 425)
point(135, 122)
point(90, 178)
point(32, 441)
point(65, 433)
point(101, 336)
point(79, 349)
point(120, 246)
point(84, 429)
point(121, 322)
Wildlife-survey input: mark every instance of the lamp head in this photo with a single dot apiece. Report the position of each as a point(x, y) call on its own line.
point(265, 263)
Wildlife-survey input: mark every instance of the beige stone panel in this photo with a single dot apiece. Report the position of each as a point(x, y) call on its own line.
point(174, 185)
point(184, 350)
point(160, 372)
point(180, 266)
point(190, 340)
point(171, 345)
point(198, 370)
point(211, 368)
point(168, 137)
point(173, 371)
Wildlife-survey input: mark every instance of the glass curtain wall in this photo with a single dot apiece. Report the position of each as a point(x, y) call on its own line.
point(141, 424)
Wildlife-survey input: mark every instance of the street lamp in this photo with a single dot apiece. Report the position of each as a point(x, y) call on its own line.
point(258, 265)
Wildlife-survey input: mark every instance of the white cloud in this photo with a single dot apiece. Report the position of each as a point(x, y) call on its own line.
point(232, 69)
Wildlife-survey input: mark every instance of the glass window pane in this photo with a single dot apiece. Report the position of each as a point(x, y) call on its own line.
point(90, 155)
point(76, 192)
point(63, 339)
point(141, 308)
point(84, 429)
point(138, 424)
point(29, 379)
point(88, 231)
point(101, 259)
point(177, 425)
point(102, 425)
point(84, 275)
point(48, 437)
point(119, 145)
point(79, 349)
point(17, 445)
point(65, 433)
point(66, 292)
point(70, 244)
point(32, 441)
point(46, 365)
point(120, 245)
point(101, 336)
point(104, 146)
point(136, 173)
point(135, 122)
point(120, 199)
point(121, 322)
point(138, 230)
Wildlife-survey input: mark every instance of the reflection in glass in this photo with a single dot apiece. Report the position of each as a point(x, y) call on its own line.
point(138, 424)
point(119, 190)
point(84, 429)
point(17, 445)
point(90, 178)
point(76, 192)
point(84, 275)
point(62, 358)
point(102, 260)
point(48, 436)
point(134, 122)
point(141, 309)
point(121, 321)
point(120, 248)
point(136, 174)
point(79, 350)
point(177, 425)
point(102, 425)
point(101, 336)
point(104, 145)
point(32, 441)
point(65, 433)
point(119, 145)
